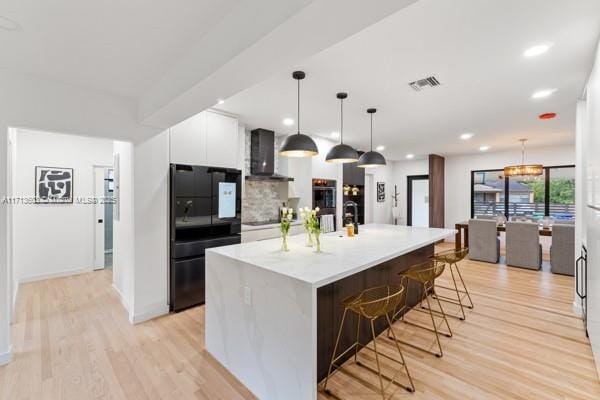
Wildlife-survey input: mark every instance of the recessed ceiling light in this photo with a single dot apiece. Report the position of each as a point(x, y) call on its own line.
point(8, 24)
point(335, 135)
point(410, 156)
point(288, 121)
point(540, 94)
point(220, 101)
point(466, 136)
point(380, 148)
point(538, 49)
point(484, 148)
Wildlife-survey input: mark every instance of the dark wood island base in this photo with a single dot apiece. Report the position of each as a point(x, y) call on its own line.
point(330, 309)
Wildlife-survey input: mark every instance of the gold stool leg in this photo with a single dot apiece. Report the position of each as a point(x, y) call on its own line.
point(377, 359)
point(337, 342)
point(411, 388)
point(464, 286)
point(458, 296)
point(449, 334)
point(357, 339)
point(437, 334)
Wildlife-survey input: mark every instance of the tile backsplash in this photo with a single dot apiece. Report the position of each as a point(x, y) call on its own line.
point(262, 199)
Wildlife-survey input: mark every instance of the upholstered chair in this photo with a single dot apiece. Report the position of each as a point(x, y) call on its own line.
point(562, 251)
point(523, 248)
point(484, 244)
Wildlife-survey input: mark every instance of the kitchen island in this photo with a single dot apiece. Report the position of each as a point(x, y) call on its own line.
point(271, 316)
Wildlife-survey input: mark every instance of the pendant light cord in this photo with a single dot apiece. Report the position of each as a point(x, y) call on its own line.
point(342, 121)
point(371, 131)
point(298, 114)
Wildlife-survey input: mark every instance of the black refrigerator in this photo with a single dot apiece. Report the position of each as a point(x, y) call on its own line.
point(206, 211)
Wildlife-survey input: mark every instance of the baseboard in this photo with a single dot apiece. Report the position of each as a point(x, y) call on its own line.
point(578, 310)
point(5, 358)
point(122, 299)
point(149, 313)
point(13, 314)
point(58, 274)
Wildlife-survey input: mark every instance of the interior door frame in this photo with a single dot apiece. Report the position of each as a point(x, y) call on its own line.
point(409, 181)
point(97, 196)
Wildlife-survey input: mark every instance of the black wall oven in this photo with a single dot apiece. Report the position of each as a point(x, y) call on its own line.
point(206, 211)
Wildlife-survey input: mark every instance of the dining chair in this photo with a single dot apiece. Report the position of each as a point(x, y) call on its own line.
point(562, 250)
point(484, 244)
point(523, 248)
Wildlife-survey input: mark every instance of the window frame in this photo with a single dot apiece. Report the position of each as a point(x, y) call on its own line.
point(547, 172)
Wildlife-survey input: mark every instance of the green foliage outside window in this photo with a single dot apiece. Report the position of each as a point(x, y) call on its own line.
point(562, 191)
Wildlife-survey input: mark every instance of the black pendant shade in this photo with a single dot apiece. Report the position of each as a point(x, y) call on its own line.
point(341, 153)
point(299, 144)
point(371, 159)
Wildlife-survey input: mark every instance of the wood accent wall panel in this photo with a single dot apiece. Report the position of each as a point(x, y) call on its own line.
point(436, 191)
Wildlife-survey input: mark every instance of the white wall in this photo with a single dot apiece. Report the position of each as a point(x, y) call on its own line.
point(401, 170)
point(458, 173)
point(381, 212)
point(123, 229)
point(151, 184)
point(55, 239)
point(33, 102)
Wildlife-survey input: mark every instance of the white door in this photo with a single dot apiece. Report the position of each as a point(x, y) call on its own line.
point(420, 202)
point(99, 218)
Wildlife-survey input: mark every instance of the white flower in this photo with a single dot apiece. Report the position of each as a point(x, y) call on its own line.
point(289, 217)
point(284, 210)
point(306, 209)
point(291, 211)
point(317, 209)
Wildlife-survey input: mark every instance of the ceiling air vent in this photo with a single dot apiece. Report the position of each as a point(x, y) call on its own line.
point(422, 83)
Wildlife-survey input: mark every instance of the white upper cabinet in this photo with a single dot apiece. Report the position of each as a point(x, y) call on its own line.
point(208, 138)
point(188, 141)
point(221, 140)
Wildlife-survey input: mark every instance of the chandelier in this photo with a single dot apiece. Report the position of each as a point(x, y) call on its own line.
point(524, 169)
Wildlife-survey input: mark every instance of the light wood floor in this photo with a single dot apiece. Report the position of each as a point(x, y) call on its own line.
point(72, 340)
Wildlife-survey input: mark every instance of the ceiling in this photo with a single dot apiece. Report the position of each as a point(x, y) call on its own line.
point(474, 48)
point(122, 47)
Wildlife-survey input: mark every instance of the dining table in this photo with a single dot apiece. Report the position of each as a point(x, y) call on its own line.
point(462, 233)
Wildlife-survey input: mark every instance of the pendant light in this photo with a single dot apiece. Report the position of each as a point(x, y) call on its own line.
point(299, 144)
point(524, 169)
point(371, 159)
point(342, 153)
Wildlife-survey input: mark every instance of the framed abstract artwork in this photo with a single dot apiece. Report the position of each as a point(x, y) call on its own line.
point(380, 192)
point(53, 185)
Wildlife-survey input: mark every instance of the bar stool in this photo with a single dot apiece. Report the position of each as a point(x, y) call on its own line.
point(452, 257)
point(372, 304)
point(425, 274)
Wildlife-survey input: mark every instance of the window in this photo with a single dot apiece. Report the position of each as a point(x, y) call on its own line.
point(487, 193)
point(551, 194)
point(561, 193)
point(526, 196)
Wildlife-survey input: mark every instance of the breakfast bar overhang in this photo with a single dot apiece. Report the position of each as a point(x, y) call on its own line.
point(272, 316)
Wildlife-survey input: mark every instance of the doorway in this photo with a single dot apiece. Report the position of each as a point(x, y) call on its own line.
point(103, 216)
point(418, 200)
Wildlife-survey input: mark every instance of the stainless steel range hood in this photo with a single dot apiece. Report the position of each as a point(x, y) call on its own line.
point(262, 157)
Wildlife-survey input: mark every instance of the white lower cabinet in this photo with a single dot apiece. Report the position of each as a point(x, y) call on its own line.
point(269, 233)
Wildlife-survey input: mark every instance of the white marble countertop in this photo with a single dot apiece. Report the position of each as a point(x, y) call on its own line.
point(246, 227)
point(341, 256)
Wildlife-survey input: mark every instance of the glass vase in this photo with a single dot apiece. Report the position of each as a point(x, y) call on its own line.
point(284, 242)
point(317, 242)
point(309, 238)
